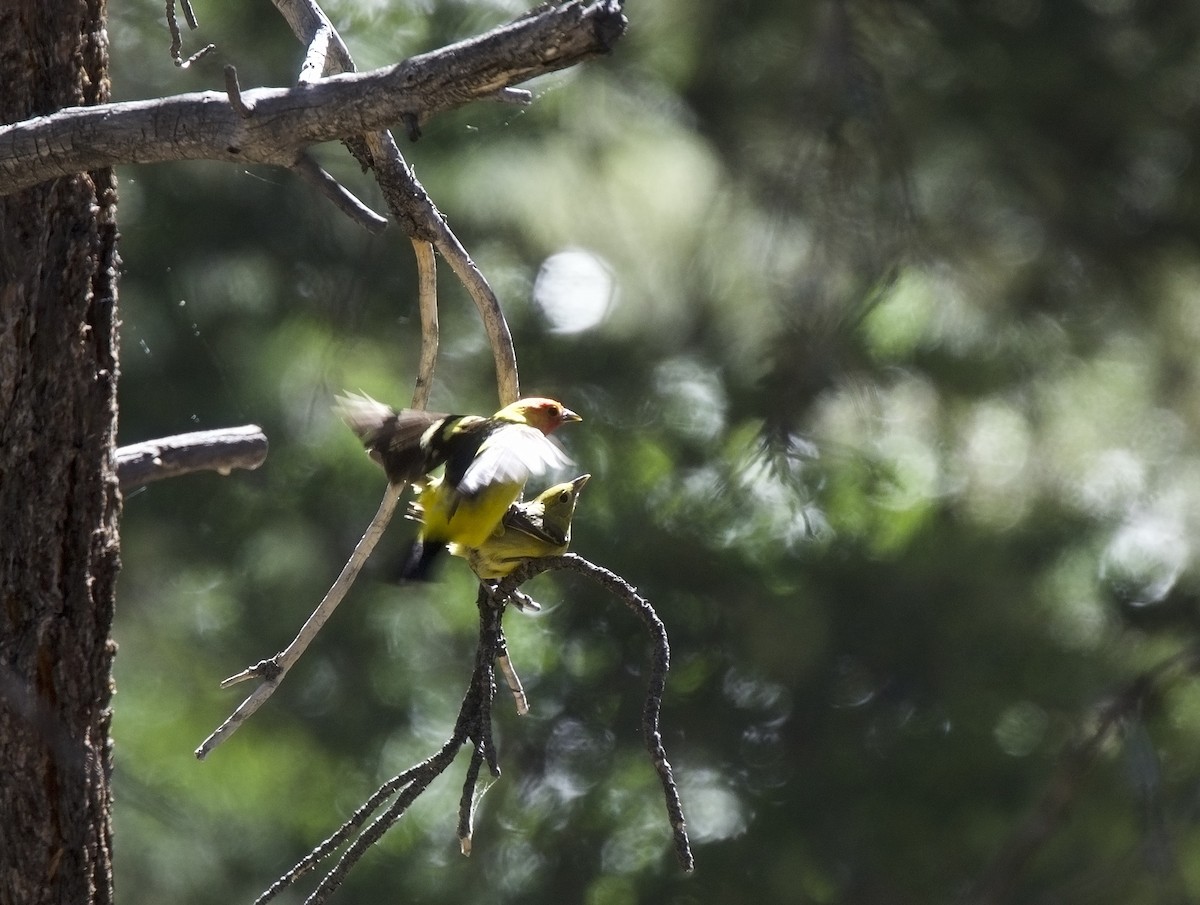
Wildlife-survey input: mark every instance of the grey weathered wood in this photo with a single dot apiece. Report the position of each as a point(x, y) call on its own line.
point(284, 121)
point(219, 450)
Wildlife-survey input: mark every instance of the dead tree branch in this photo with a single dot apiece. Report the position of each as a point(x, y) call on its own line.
point(659, 664)
point(474, 726)
point(285, 121)
point(406, 198)
point(272, 671)
point(216, 450)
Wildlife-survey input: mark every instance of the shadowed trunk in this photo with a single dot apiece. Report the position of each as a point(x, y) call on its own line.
point(58, 493)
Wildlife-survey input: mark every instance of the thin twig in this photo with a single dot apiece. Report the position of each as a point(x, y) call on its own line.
point(428, 303)
point(660, 663)
point(412, 208)
point(316, 176)
point(273, 670)
point(177, 37)
point(466, 726)
point(197, 56)
point(513, 681)
point(216, 450)
point(488, 306)
point(467, 802)
point(176, 34)
point(234, 91)
point(189, 14)
point(343, 833)
point(474, 723)
point(423, 774)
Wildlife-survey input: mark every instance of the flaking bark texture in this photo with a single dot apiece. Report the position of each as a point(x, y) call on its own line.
point(59, 502)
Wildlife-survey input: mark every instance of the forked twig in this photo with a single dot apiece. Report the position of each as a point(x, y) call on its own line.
point(406, 198)
point(189, 16)
point(272, 671)
point(660, 663)
point(474, 725)
point(408, 785)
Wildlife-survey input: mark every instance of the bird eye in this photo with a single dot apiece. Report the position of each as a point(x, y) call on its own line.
point(564, 496)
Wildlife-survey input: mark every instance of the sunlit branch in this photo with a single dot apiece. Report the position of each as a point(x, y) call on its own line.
point(272, 671)
point(220, 450)
point(204, 126)
point(411, 206)
point(428, 305)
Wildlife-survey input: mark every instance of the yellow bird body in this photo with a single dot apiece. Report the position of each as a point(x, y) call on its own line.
point(529, 530)
point(487, 462)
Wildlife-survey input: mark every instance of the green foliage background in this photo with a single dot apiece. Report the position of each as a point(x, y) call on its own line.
point(894, 417)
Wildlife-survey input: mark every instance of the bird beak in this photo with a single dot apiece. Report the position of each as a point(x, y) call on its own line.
point(580, 481)
point(568, 415)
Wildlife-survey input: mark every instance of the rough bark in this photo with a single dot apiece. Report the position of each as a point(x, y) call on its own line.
point(59, 502)
point(274, 125)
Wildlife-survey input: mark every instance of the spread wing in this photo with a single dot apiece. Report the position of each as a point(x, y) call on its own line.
point(391, 437)
point(511, 454)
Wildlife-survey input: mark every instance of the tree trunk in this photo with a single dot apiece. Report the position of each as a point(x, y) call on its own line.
point(59, 502)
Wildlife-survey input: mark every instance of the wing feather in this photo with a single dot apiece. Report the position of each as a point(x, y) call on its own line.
point(511, 455)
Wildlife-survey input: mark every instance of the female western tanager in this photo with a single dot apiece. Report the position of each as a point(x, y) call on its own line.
point(487, 463)
point(539, 527)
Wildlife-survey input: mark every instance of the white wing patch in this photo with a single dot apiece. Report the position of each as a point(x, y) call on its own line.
point(511, 455)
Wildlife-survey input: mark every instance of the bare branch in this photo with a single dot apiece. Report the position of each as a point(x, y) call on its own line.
point(658, 674)
point(416, 213)
point(205, 126)
point(342, 198)
point(407, 198)
point(234, 91)
point(317, 60)
point(474, 724)
point(346, 830)
point(272, 671)
point(310, 24)
point(427, 300)
point(488, 306)
point(216, 450)
point(177, 37)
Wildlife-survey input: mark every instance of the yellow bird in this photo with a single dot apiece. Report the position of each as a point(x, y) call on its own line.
point(488, 461)
point(530, 530)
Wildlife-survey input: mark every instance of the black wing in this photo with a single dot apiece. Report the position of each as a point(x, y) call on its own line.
point(394, 439)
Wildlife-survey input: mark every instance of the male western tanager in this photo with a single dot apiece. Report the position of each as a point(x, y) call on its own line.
point(539, 527)
point(487, 463)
